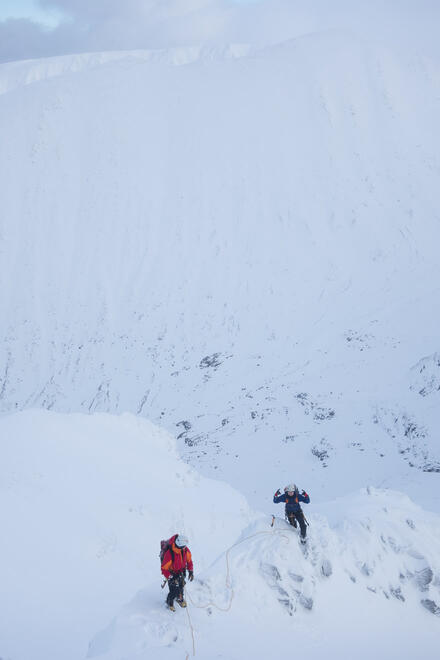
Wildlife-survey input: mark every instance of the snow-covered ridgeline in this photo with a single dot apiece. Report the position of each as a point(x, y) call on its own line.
point(85, 501)
point(26, 72)
point(367, 585)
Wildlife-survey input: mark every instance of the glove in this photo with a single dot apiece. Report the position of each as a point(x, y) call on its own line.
point(277, 493)
point(190, 576)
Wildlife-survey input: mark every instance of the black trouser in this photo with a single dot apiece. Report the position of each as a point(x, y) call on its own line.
point(176, 584)
point(294, 516)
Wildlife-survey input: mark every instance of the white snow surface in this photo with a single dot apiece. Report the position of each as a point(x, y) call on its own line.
point(85, 501)
point(239, 245)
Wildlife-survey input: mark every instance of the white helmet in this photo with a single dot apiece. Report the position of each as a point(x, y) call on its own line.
point(291, 488)
point(181, 541)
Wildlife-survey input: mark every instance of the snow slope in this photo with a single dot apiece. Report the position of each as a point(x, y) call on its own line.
point(238, 245)
point(85, 501)
point(364, 588)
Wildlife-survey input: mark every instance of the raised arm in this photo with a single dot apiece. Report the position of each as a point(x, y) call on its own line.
point(278, 497)
point(303, 497)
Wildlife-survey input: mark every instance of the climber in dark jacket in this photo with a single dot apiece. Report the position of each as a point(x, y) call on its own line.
point(292, 498)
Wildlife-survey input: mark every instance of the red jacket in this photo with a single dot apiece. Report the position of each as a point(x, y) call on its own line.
point(176, 560)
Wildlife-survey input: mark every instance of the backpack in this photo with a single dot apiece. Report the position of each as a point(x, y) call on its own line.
point(165, 545)
point(292, 499)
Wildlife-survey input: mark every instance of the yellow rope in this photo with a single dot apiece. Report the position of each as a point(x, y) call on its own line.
point(192, 634)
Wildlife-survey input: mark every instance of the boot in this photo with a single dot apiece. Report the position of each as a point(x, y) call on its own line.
point(170, 604)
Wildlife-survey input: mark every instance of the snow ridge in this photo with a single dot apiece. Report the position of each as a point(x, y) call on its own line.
point(371, 557)
point(26, 72)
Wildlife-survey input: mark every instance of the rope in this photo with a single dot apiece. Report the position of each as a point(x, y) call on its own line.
point(192, 634)
point(227, 583)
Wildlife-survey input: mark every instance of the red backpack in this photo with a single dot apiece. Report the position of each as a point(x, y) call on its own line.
point(166, 545)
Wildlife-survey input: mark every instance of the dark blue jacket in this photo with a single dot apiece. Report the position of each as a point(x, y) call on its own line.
point(292, 502)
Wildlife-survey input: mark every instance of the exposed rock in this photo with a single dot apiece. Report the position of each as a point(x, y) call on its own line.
point(426, 375)
point(326, 568)
point(210, 361)
point(306, 602)
point(423, 578)
point(295, 577)
point(271, 573)
point(431, 605)
point(397, 593)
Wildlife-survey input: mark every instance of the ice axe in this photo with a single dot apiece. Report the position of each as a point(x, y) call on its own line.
point(273, 520)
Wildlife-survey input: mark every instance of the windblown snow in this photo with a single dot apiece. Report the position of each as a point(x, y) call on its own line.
point(240, 245)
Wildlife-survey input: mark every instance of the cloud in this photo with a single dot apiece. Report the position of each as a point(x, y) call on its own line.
point(99, 25)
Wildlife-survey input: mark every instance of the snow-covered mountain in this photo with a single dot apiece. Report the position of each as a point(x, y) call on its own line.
point(240, 245)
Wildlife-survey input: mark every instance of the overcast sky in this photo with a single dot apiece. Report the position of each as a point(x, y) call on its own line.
point(40, 28)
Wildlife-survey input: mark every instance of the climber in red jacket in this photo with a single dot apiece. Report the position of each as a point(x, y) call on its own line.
point(176, 560)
